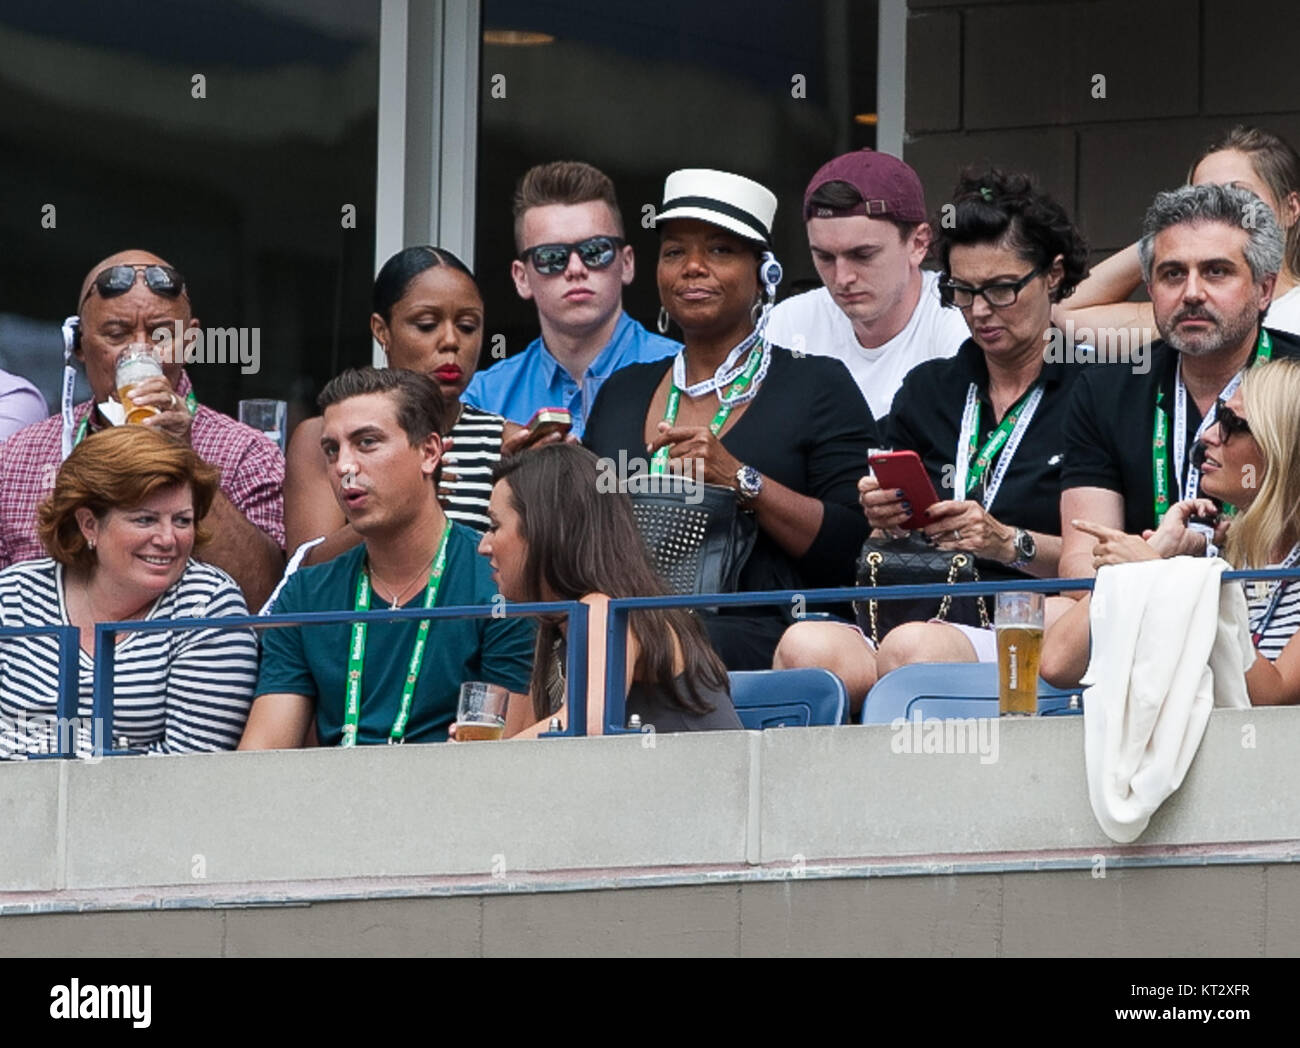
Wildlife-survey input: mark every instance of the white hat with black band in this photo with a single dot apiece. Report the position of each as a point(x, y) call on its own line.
point(732, 202)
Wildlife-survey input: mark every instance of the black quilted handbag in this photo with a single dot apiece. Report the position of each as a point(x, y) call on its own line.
point(911, 561)
point(697, 535)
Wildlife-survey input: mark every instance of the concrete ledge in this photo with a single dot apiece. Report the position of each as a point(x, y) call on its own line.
point(838, 793)
point(490, 818)
point(408, 810)
point(30, 793)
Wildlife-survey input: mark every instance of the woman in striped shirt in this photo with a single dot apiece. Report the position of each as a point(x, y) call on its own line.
point(1251, 460)
point(428, 317)
point(120, 526)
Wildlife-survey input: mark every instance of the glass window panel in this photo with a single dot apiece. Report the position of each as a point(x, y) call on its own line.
point(242, 190)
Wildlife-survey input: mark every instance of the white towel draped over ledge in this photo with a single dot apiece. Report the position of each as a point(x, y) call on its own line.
point(1169, 641)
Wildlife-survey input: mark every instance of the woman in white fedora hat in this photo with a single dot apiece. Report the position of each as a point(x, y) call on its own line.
point(787, 432)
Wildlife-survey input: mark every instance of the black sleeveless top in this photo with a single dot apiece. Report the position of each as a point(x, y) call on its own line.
point(655, 706)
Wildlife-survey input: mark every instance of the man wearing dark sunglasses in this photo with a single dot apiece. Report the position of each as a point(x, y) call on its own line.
point(573, 263)
point(123, 301)
point(1210, 255)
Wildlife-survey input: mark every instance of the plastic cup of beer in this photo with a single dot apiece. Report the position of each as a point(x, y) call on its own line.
point(136, 363)
point(481, 713)
point(1018, 620)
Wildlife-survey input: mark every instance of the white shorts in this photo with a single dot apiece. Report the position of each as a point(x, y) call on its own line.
point(984, 641)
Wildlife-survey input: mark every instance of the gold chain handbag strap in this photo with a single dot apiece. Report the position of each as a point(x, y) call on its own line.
point(984, 611)
point(874, 559)
point(959, 561)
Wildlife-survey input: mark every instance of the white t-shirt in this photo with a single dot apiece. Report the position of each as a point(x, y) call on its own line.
point(1282, 315)
point(813, 323)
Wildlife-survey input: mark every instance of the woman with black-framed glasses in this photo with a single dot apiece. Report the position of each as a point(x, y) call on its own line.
point(986, 422)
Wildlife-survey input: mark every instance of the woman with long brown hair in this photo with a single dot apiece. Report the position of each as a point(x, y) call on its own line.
point(558, 533)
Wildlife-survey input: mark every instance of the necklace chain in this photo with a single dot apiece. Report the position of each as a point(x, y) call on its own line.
point(400, 595)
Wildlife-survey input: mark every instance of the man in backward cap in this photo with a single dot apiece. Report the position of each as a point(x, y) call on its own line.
point(878, 312)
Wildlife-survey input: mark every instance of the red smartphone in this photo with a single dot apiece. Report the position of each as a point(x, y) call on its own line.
point(903, 470)
point(547, 421)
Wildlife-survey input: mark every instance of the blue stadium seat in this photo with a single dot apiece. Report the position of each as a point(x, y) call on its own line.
point(788, 698)
point(952, 689)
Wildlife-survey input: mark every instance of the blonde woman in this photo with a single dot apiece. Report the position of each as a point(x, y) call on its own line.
point(1250, 459)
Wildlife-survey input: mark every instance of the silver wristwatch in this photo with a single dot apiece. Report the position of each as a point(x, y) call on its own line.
point(1026, 549)
point(749, 483)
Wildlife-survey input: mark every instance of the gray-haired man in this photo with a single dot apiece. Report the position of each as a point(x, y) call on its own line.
point(1210, 255)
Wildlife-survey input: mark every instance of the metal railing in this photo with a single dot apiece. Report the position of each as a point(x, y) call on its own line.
point(67, 703)
point(106, 639)
point(576, 657)
point(616, 629)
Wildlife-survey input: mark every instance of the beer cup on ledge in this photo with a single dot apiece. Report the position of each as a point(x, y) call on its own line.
point(481, 713)
point(136, 363)
point(1018, 621)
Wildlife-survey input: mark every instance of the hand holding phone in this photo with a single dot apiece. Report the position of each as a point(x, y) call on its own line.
point(547, 421)
point(547, 425)
point(904, 471)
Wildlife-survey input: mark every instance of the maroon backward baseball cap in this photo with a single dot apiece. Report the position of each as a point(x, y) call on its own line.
point(889, 187)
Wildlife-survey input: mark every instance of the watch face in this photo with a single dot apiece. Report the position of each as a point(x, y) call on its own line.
point(749, 481)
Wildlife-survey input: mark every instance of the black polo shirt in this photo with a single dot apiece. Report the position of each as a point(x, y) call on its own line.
point(1110, 429)
point(926, 418)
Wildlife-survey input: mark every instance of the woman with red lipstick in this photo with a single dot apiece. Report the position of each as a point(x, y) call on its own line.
point(788, 434)
point(125, 516)
point(428, 317)
point(986, 422)
point(1250, 459)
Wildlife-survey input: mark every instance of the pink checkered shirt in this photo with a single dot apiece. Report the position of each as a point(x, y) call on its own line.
point(252, 474)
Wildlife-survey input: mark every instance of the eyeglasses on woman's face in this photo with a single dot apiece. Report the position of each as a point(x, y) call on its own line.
point(999, 295)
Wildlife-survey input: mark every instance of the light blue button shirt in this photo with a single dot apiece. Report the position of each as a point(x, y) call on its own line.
point(518, 386)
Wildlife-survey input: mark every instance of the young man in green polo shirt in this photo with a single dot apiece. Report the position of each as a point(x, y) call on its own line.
point(382, 446)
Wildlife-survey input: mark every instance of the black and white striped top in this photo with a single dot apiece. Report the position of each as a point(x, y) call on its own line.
point(1285, 622)
point(174, 692)
point(476, 448)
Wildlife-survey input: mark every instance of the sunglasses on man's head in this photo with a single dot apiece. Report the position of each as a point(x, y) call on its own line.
point(1229, 422)
point(595, 253)
point(118, 280)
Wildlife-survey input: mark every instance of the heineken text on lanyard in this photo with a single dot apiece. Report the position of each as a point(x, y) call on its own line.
point(971, 466)
point(759, 357)
point(357, 652)
point(1162, 438)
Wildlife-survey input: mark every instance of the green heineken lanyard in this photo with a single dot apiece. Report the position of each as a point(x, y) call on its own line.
point(357, 652)
point(1160, 438)
point(980, 462)
point(191, 402)
point(659, 463)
